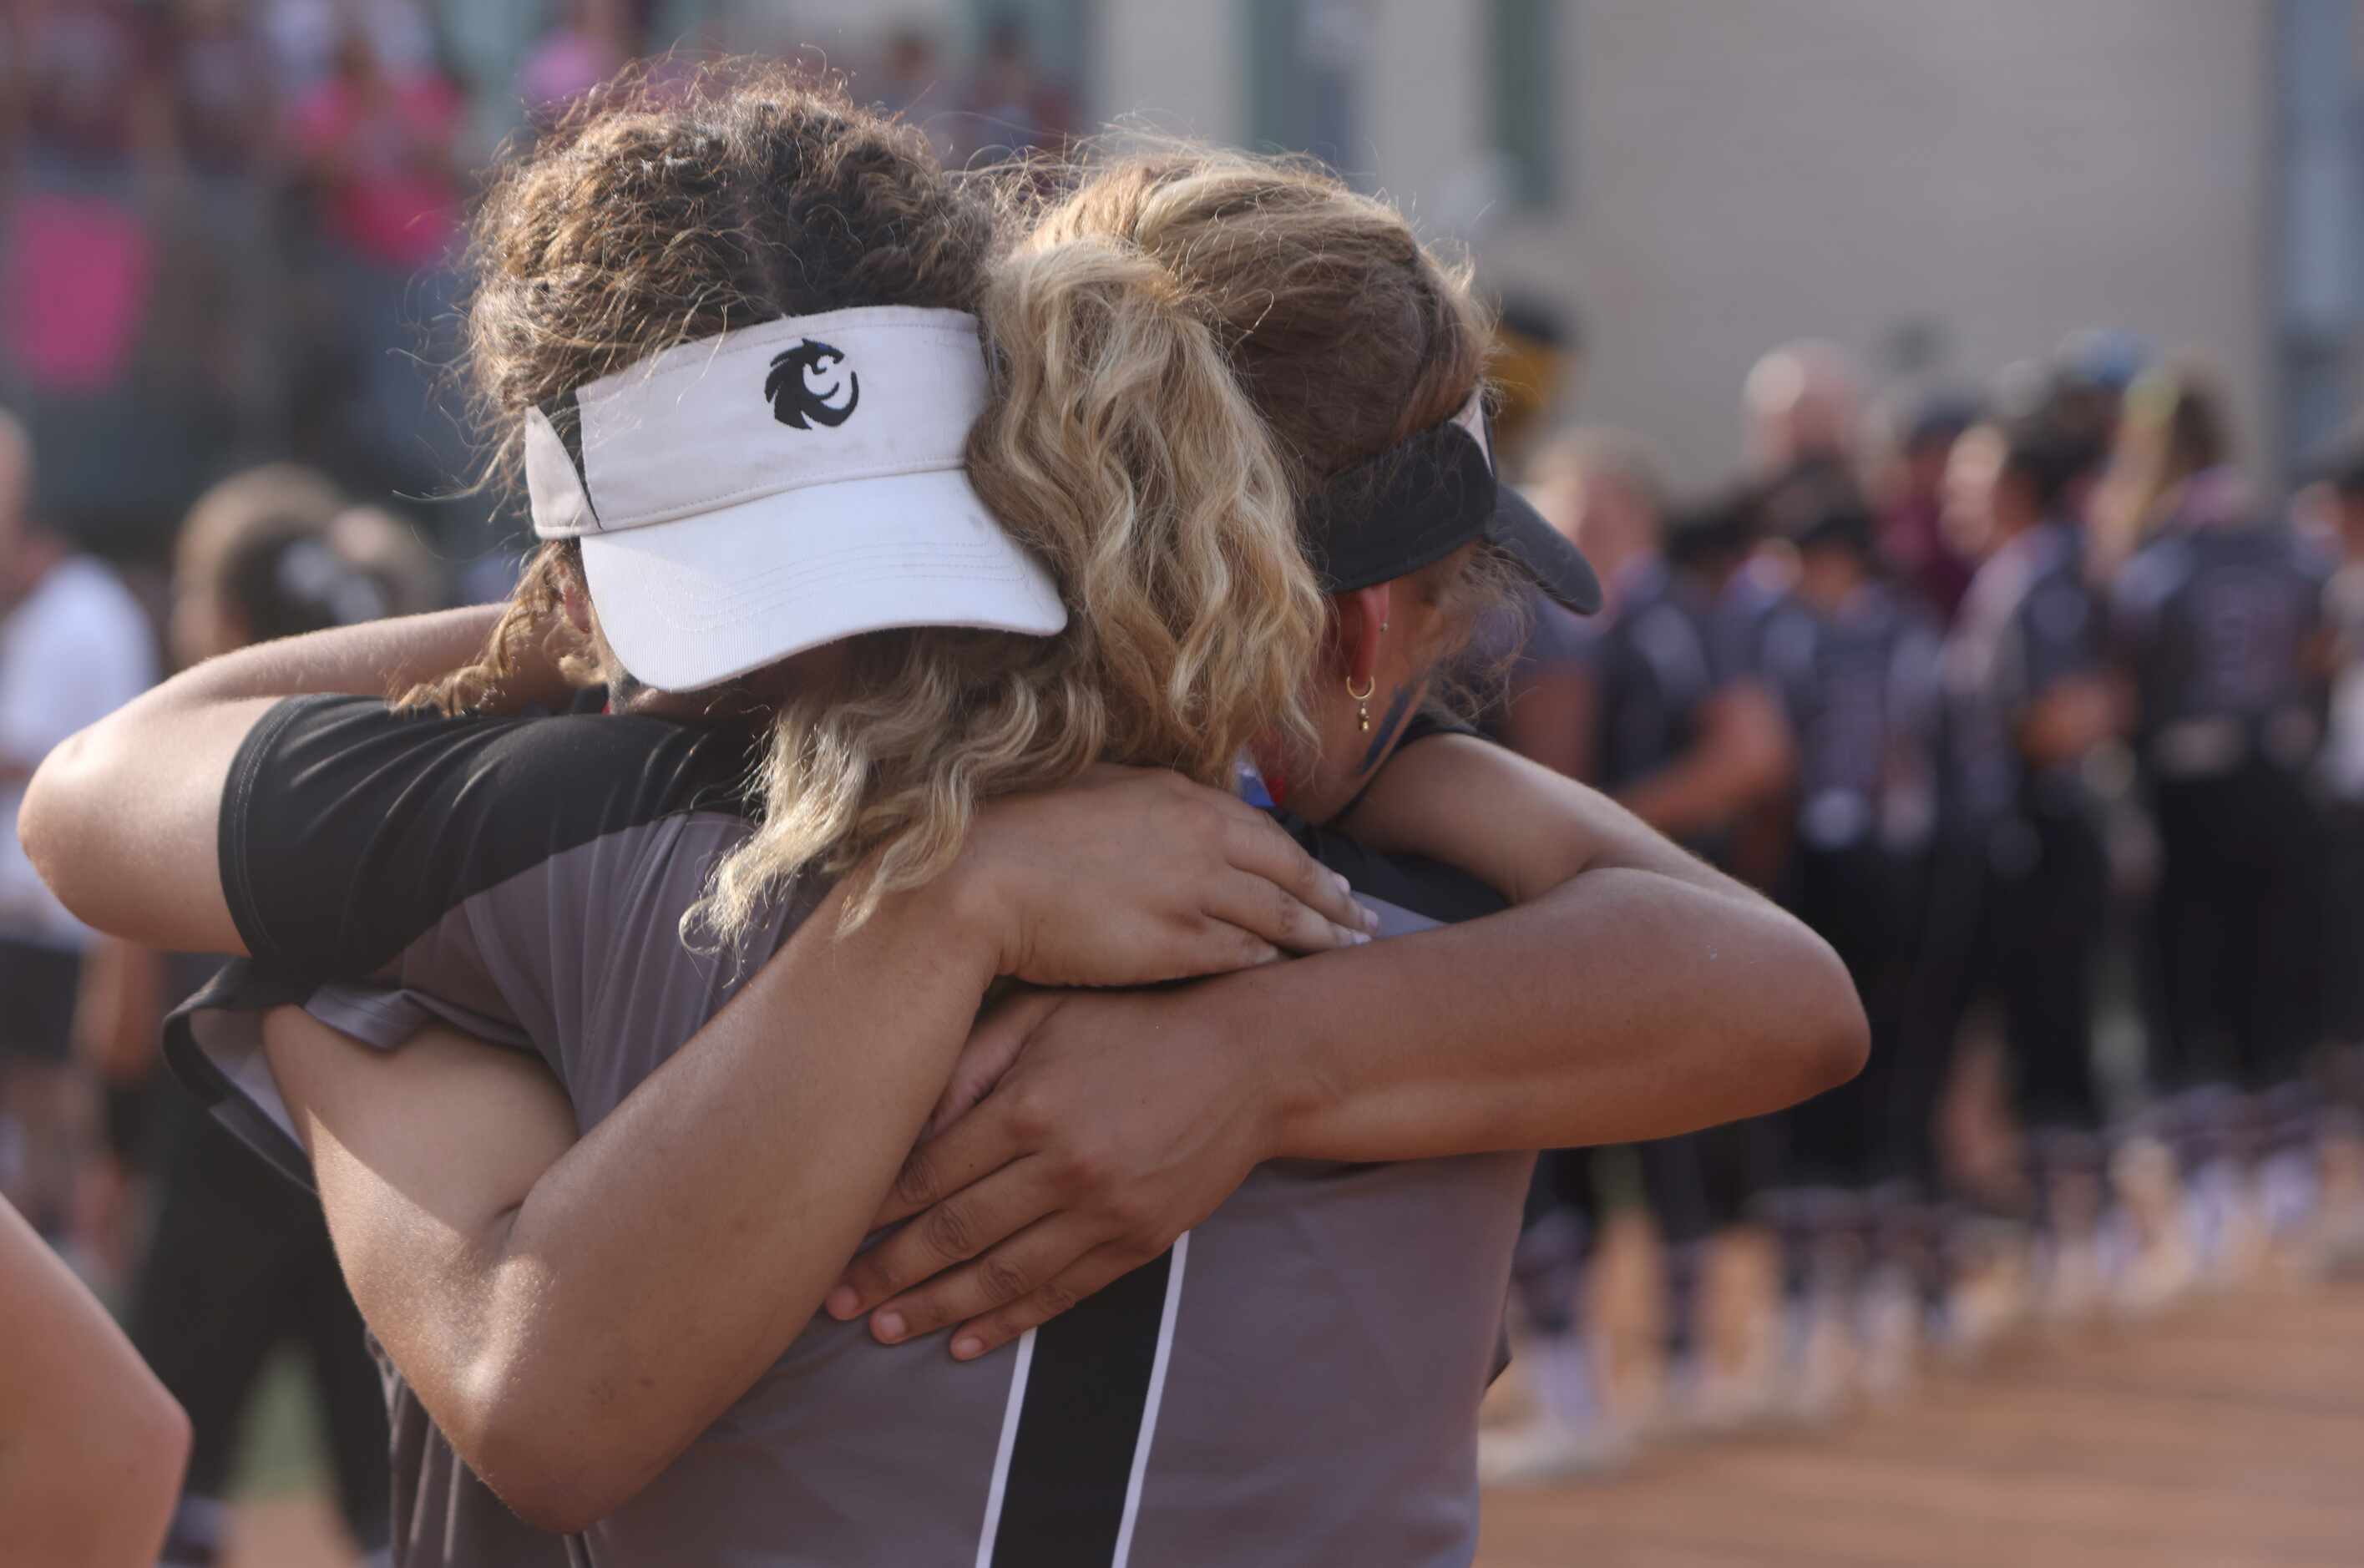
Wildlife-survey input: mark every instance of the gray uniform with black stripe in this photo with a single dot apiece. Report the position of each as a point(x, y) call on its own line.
point(1295, 1383)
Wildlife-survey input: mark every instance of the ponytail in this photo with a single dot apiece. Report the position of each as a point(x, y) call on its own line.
point(1121, 446)
point(533, 619)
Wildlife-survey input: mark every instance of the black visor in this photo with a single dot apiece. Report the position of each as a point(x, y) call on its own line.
point(1418, 501)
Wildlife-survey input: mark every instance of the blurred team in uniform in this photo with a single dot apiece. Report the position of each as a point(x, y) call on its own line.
point(2050, 719)
point(2040, 709)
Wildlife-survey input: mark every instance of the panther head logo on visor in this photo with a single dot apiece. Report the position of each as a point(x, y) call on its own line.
point(796, 400)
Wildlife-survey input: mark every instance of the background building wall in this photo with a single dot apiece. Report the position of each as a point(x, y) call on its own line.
point(1983, 179)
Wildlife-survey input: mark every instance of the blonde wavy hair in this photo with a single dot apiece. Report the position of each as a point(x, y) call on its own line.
point(1346, 333)
point(2172, 425)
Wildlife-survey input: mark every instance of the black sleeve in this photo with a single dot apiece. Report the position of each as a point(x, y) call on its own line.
point(348, 828)
point(1444, 894)
point(1428, 722)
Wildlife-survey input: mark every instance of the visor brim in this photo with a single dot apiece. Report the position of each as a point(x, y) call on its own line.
point(691, 603)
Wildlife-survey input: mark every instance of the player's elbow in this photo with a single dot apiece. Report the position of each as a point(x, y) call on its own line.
point(48, 823)
point(558, 1466)
point(63, 823)
point(1829, 1039)
point(157, 1450)
point(551, 1499)
point(126, 1475)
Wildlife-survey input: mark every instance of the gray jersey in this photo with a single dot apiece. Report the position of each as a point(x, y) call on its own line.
point(1297, 1382)
point(2027, 625)
point(2214, 620)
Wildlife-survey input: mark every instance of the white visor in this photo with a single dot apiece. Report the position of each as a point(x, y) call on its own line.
point(751, 495)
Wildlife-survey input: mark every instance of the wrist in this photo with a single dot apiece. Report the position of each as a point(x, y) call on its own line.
point(1280, 1083)
point(974, 913)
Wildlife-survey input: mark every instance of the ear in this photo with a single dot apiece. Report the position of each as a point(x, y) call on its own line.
point(578, 604)
point(1359, 630)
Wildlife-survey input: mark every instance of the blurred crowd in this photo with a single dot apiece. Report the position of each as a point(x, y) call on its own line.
point(2044, 711)
point(227, 227)
point(224, 233)
point(228, 294)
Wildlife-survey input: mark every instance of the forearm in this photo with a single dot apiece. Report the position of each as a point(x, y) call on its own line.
point(658, 1268)
point(1626, 1006)
point(121, 820)
point(1521, 828)
point(91, 1445)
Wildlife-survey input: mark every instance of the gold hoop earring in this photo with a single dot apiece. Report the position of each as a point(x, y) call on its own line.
point(1363, 699)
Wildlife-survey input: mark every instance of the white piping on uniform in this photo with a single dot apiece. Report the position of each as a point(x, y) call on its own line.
point(1025, 1361)
point(1157, 1398)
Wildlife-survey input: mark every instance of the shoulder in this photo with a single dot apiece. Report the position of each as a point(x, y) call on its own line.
point(347, 828)
point(576, 770)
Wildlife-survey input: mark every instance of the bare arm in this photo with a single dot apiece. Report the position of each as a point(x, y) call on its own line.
point(555, 1303)
point(1636, 993)
point(121, 820)
point(1513, 824)
point(91, 1446)
point(575, 1312)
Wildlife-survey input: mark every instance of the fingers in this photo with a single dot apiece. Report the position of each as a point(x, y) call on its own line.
point(992, 1046)
point(1272, 914)
point(1093, 1274)
point(1259, 844)
point(966, 1152)
point(1009, 1273)
point(953, 1231)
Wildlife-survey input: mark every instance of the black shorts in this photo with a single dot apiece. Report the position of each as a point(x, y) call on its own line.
point(39, 985)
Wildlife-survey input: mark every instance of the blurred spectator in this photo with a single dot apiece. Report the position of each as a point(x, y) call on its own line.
point(1802, 402)
point(82, 266)
point(377, 143)
point(1856, 661)
point(222, 86)
point(1010, 106)
point(2022, 906)
point(1601, 488)
point(383, 547)
point(589, 44)
point(307, 37)
point(74, 646)
point(1912, 533)
point(2217, 618)
point(1538, 362)
point(2343, 480)
point(216, 344)
point(911, 75)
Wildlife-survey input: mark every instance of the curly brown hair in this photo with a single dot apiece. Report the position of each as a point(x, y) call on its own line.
point(647, 219)
point(655, 213)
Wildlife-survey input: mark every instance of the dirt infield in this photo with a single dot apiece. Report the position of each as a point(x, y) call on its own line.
point(2226, 1434)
